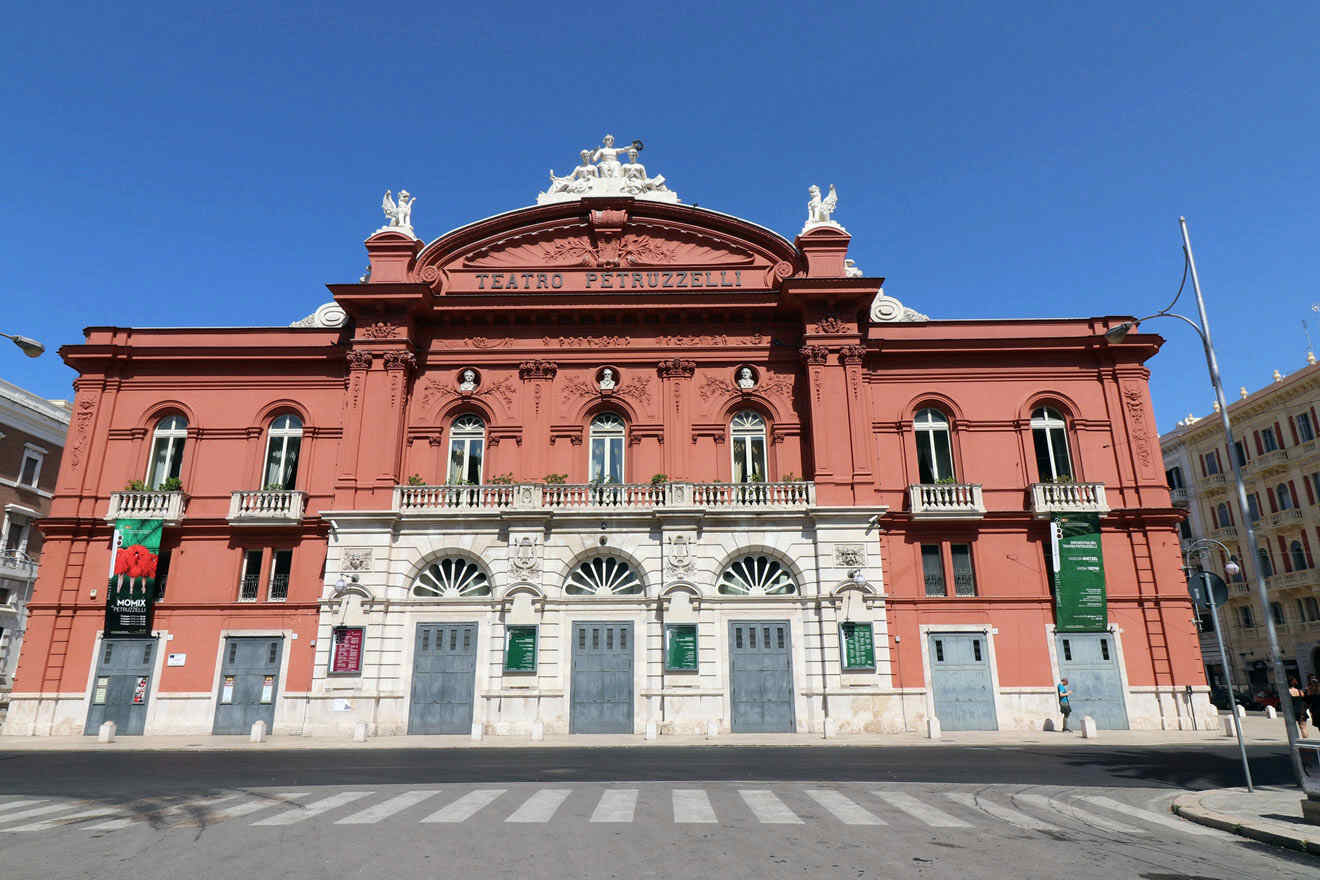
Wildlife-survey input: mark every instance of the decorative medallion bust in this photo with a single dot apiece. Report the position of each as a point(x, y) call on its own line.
point(468, 381)
point(746, 379)
point(606, 382)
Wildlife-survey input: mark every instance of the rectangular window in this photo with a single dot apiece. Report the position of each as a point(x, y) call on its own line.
point(1104, 649)
point(932, 569)
point(1067, 649)
point(162, 573)
point(1276, 611)
point(279, 575)
point(939, 651)
point(1253, 507)
point(1173, 476)
point(858, 644)
point(250, 580)
point(4, 600)
point(1185, 530)
point(1211, 463)
point(30, 469)
point(1244, 613)
point(964, 577)
point(1305, 432)
point(976, 650)
point(1240, 453)
point(1268, 440)
point(1312, 608)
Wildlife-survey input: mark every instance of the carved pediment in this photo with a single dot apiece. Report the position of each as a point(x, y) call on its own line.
point(637, 245)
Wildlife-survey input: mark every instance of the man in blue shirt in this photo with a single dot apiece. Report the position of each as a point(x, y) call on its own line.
point(1064, 706)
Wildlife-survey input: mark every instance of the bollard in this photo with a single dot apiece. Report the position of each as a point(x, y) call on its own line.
point(258, 734)
point(1270, 713)
point(478, 730)
point(538, 731)
point(1241, 711)
point(829, 729)
point(933, 727)
point(360, 732)
point(106, 732)
point(652, 730)
point(1229, 728)
point(1088, 727)
point(712, 728)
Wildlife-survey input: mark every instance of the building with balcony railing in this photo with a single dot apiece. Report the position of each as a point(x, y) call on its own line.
point(1275, 430)
point(617, 434)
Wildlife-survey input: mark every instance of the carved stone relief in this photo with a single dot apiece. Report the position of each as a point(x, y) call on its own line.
point(357, 559)
point(849, 555)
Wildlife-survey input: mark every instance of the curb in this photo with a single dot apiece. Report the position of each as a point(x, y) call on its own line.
point(1189, 807)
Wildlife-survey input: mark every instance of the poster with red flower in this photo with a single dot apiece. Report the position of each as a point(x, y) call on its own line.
point(131, 593)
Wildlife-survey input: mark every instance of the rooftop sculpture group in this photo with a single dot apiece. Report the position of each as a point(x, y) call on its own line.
point(400, 214)
point(600, 173)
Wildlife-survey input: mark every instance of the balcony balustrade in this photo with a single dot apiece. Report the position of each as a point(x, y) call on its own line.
point(1225, 533)
point(1050, 498)
point(167, 506)
point(1285, 518)
point(17, 565)
point(263, 508)
point(1269, 462)
point(604, 496)
point(1179, 498)
point(1213, 484)
point(946, 501)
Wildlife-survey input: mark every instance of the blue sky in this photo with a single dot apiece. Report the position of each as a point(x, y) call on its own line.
point(219, 166)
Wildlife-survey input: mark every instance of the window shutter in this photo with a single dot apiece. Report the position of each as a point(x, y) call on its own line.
point(1201, 459)
point(1269, 493)
point(1283, 551)
point(1310, 493)
point(1219, 463)
point(1292, 490)
point(1231, 520)
point(1278, 434)
point(1306, 545)
point(1315, 426)
point(1292, 423)
point(1260, 450)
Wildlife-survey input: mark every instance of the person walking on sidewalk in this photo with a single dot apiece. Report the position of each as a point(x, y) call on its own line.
point(1064, 705)
point(1299, 706)
point(1313, 698)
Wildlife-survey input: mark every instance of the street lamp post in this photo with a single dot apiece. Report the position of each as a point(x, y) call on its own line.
point(1232, 569)
point(1116, 334)
point(31, 347)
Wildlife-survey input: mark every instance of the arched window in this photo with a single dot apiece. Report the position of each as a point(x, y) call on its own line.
point(1284, 496)
point(756, 576)
point(167, 450)
point(1266, 567)
point(284, 442)
point(607, 433)
point(748, 431)
point(451, 578)
point(467, 438)
point(603, 576)
point(1050, 433)
point(1221, 515)
point(934, 452)
point(1298, 556)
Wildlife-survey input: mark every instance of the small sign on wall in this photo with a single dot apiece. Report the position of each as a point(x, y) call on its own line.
point(346, 650)
point(176, 659)
point(520, 649)
point(681, 647)
point(858, 641)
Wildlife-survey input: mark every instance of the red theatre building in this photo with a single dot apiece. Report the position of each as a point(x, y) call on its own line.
point(610, 463)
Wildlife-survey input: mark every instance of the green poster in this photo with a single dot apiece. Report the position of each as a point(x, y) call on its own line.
point(681, 647)
point(520, 649)
point(1080, 602)
point(858, 645)
point(132, 588)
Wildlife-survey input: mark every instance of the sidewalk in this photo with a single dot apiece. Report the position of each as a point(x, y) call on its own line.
point(1270, 814)
point(1258, 731)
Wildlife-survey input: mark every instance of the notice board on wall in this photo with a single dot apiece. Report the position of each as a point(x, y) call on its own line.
point(681, 647)
point(858, 642)
point(1080, 601)
point(346, 650)
point(520, 649)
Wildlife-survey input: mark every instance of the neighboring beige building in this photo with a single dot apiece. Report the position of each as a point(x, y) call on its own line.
point(1277, 442)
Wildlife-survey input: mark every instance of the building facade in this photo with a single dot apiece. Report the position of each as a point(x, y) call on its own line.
point(609, 463)
point(32, 433)
point(1275, 442)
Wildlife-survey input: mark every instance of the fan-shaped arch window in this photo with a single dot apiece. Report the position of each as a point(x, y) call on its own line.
point(283, 445)
point(1298, 554)
point(1050, 433)
point(467, 441)
point(603, 576)
point(607, 434)
point(452, 577)
point(1284, 496)
point(756, 575)
point(167, 450)
point(934, 451)
point(748, 435)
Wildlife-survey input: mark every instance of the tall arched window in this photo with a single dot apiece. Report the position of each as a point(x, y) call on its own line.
point(934, 452)
point(1298, 555)
point(748, 431)
point(1266, 567)
point(607, 433)
point(167, 450)
point(467, 439)
point(1284, 496)
point(1050, 433)
point(283, 444)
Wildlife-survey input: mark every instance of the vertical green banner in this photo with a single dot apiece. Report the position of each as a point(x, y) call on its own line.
point(1080, 601)
point(132, 589)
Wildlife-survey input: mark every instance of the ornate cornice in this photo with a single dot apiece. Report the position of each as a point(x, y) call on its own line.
point(677, 368)
point(537, 370)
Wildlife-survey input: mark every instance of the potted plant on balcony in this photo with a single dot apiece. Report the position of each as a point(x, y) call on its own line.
point(555, 479)
point(273, 487)
point(502, 479)
point(416, 480)
point(171, 484)
point(135, 486)
point(659, 479)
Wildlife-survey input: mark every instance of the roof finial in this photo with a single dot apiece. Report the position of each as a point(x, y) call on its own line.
point(1278, 377)
point(1243, 392)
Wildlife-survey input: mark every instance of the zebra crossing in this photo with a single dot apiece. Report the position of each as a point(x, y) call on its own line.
point(855, 805)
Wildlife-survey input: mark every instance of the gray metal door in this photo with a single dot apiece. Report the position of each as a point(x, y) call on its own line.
point(960, 681)
point(1090, 663)
point(444, 678)
point(249, 683)
point(122, 685)
point(602, 678)
point(761, 676)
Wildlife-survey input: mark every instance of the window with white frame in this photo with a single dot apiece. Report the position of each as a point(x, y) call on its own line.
point(167, 450)
point(748, 434)
point(281, 566)
point(1305, 430)
point(607, 434)
point(934, 451)
point(1050, 433)
point(1211, 462)
point(283, 445)
point(16, 533)
point(467, 442)
point(29, 470)
point(249, 581)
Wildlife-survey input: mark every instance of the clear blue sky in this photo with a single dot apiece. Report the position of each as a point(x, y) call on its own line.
point(189, 165)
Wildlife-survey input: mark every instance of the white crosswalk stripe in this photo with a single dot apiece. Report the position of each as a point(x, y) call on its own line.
point(1042, 802)
point(170, 815)
point(315, 808)
point(243, 809)
point(616, 805)
point(98, 812)
point(385, 809)
point(541, 806)
point(921, 811)
point(1146, 815)
point(844, 809)
point(466, 806)
point(692, 805)
point(1007, 814)
point(36, 811)
point(14, 805)
point(769, 810)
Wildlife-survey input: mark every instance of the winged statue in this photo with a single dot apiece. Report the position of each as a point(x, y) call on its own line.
point(818, 209)
point(400, 214)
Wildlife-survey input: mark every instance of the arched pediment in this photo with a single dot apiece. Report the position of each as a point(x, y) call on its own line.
point(607, 244)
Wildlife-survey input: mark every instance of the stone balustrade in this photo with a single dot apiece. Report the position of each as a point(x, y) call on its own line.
point(604, 496)
point(266, 507)
point(167, 506)
point(1179, 497)
point(1050, 498)
point(946, 501)
point(17, 565)
point(1268, 462)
